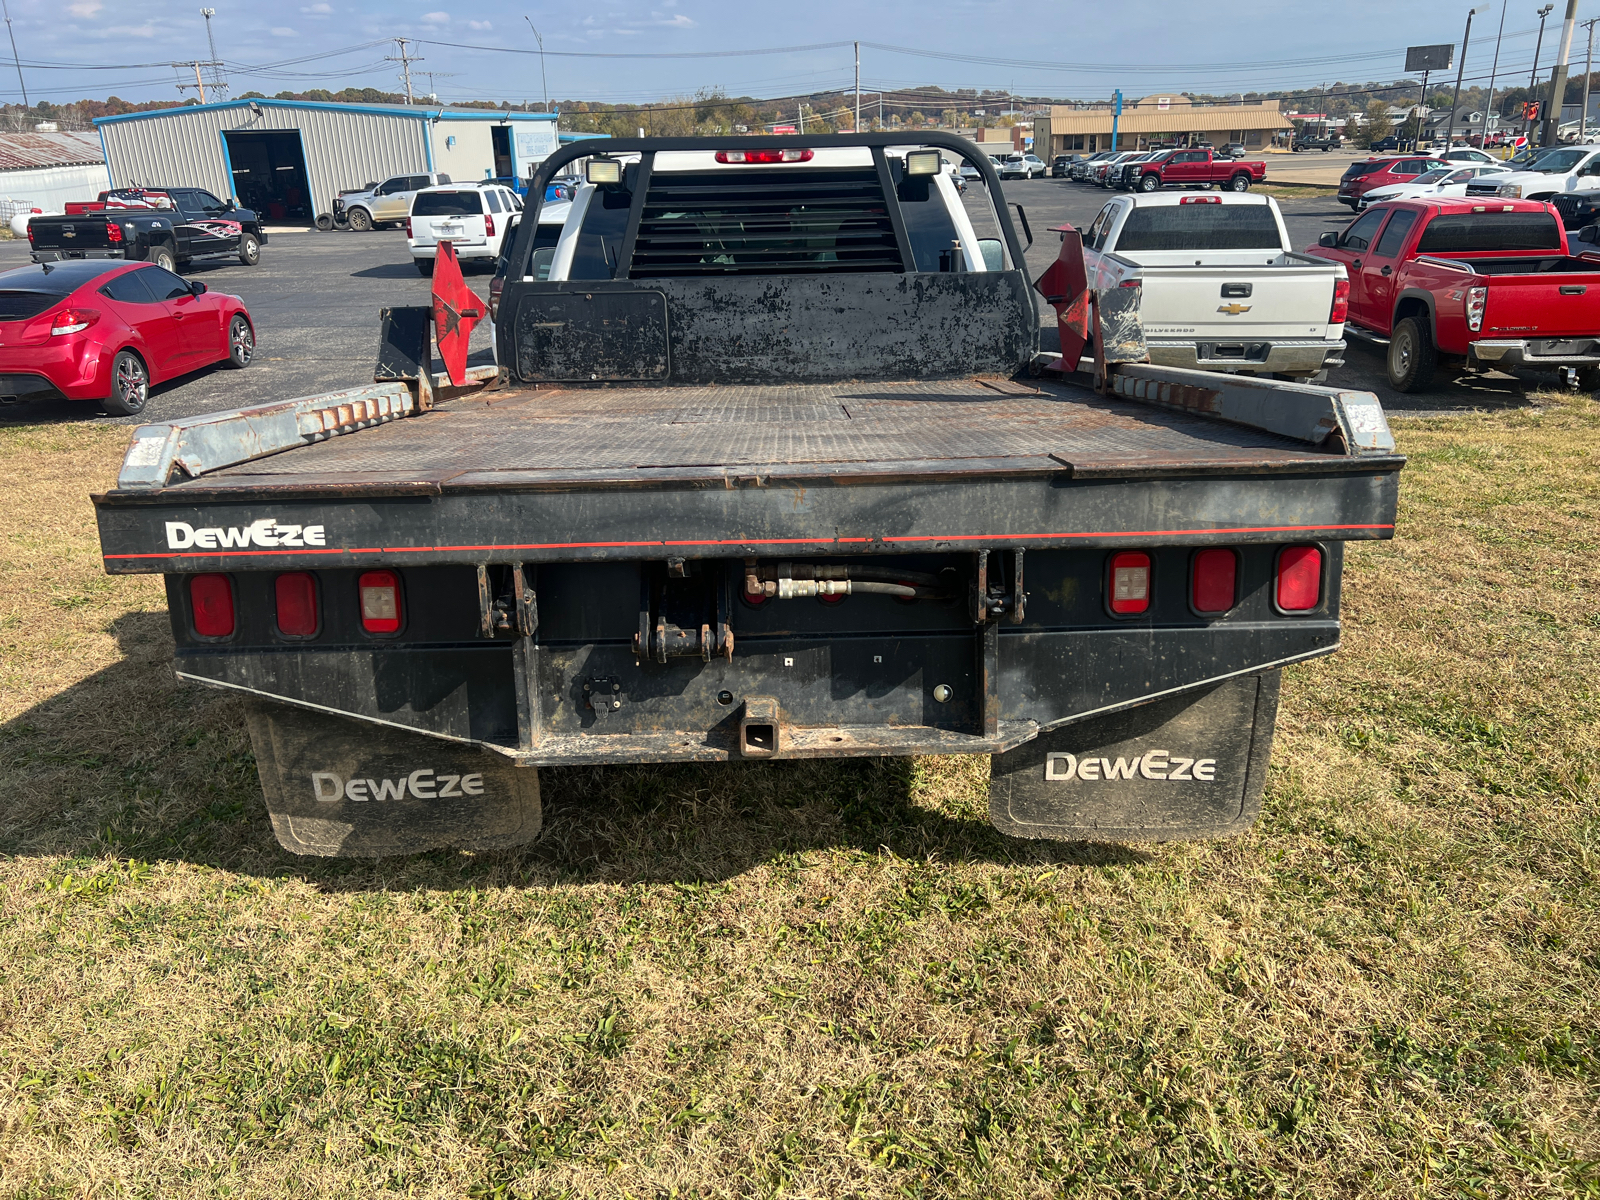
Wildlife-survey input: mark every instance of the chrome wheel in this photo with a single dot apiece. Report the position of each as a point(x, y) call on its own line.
point(241, 342)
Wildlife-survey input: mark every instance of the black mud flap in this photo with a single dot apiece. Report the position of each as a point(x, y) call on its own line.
point(342, 788)
point(1188, 766)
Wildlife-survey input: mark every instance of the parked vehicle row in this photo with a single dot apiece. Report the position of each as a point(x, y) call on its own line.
point(1152, 170)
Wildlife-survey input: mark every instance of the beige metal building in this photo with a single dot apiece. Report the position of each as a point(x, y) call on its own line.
point(288, 158)
point(1160, 119)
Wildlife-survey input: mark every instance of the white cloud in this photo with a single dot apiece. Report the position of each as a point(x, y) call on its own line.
point(85, 8)
point(675, 21)
point(318, 10)
point(283, 31)
point(627, 32)
point(147, 30)
point(436, 18)
point(480, 26)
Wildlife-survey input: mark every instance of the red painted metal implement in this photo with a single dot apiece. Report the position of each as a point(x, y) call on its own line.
point(456, 311)
point(1065, 286)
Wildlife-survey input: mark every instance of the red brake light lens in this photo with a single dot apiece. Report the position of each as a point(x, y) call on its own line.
point(211, 598)
point(764, 156)
point(408, 228)
point(1299, 579)
point(297, 604)
point(72, 320)
point(1214, 585)
point(488, 225)
point(1340, 312)
point(113, 233)
point(1200, 200)
point(1129, 583)
point(380, 602)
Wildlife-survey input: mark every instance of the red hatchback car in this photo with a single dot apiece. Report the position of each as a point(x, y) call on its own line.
point(99, 329)
point(1359, 178)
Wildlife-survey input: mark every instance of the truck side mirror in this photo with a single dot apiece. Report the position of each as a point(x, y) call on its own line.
point(1328, 239)
point(196, 288)
point(1589, 233)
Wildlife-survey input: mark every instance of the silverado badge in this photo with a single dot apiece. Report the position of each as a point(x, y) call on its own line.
point(1233, 310)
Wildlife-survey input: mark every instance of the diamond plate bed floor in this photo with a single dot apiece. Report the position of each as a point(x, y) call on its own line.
point(640, 434)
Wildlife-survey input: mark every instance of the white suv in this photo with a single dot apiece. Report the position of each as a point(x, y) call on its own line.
point(472, 218)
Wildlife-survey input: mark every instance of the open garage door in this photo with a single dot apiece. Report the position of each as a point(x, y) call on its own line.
point(269, 173)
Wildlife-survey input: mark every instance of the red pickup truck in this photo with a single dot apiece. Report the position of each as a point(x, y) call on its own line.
point(1488, 284)
point(1198, 168)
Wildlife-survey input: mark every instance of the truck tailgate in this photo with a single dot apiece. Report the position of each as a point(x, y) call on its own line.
point(1284, 300)
point(1565, 305)
point(72, 233)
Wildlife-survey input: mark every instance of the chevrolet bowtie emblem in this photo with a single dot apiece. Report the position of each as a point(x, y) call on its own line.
point(1233, 310)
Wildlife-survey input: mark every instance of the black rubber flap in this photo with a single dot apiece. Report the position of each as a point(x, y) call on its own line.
point(620, 336)
point(342, 788)
point(1187, 766)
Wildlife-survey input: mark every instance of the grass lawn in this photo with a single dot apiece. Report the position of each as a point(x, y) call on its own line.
point(832, 979)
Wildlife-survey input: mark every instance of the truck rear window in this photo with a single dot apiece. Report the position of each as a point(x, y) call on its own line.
point(1490, 231)
point(782, 222)
point(447, 204)
point(19, 306)
point(1200, 227)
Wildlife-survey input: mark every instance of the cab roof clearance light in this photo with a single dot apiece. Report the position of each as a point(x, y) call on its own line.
point(769, 156)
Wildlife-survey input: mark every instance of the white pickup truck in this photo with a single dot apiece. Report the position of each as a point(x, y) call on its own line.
point(1221, 288)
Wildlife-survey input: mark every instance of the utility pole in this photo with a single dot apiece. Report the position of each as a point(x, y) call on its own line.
point(1588, 69)
point(1488, 109)
point(543, 79)
point(405, 60)
point(217, 82)
point(199, 84)
point(1558, 78)
point(1461, 66)
point(858, 89)
point(432, 75)
point(15, 57)
point(1533, 75)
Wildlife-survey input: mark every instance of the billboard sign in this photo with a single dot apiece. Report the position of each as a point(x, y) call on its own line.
point(1430, 58)
point(533, 143)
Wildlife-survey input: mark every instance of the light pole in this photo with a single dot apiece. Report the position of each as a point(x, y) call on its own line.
point(1588, 69)
point(1461, 66)
point(542, 79)
point(1533, 75)
point(1488, 108)
point(1558, 78)
point(18, 60)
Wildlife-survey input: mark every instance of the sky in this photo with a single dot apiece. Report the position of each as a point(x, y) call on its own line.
point(627, 51)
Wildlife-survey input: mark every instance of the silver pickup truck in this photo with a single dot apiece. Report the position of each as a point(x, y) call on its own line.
point(1221, 288)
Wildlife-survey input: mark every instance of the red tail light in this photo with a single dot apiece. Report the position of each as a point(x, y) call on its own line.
point(211, 598)
point(1129, 583)
point(408, 228)
point(1214, 585)
point(380, 602)
point(72, 320)
point(488, 225)
point(30, 231)
point(113, 233)
point(297, 604)
point(763, 156)
point(1299, 579)
point(1340, 312)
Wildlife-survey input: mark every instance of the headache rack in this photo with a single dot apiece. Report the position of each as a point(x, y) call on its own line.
point(754, 222)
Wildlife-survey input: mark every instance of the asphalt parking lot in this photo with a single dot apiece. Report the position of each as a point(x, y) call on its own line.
point(315, 300)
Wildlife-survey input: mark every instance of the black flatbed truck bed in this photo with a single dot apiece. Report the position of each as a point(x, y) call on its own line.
point(580, 571)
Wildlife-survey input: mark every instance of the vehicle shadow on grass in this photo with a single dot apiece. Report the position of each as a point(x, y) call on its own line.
point(128, 763)
point(58, 412)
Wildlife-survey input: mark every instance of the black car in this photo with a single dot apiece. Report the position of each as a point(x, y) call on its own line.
point(1389, 143)
point(1061, 165)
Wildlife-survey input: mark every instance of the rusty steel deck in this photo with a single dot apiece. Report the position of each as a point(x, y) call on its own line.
point(643, 435)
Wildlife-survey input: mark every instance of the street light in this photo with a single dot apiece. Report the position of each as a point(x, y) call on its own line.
point(1533, 75)
point(542, 78)
point(1488, 109)
point(1461, 66)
